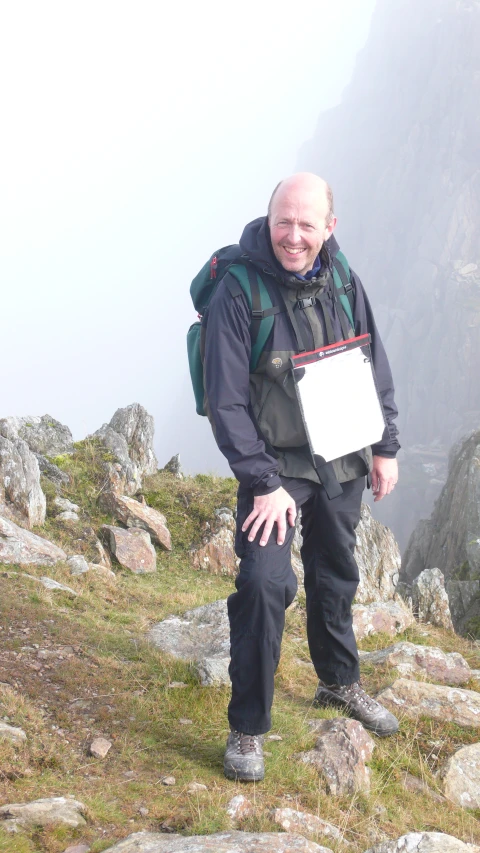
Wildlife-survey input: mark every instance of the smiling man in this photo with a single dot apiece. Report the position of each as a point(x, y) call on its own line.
point(259, 427)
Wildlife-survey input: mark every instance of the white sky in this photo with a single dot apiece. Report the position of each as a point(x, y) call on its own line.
point(136, 139)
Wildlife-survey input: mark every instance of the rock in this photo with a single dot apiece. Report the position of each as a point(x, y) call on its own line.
point(450, 539)
point(174, 467)
point(25, 548)
point(132, 548)
point(43, 435)
point(67, 516)
point(129, 437)
point(425, 842)
point(143, 811)
point(464, 602)
point(48, 811)
point(12, 733)
point(217, 552)
point(21, 496)
point(430, 600)
point(52, 472)
point(386, 617)
point(49, 583)
point(99, 747)
point(239, 808)
point(201, 635)
point(134, 514)
point(418, 786)
point(461, 777)
point(222, 842)
point(196, 787)
point(447, 704)
point(101, 556)
point(408, 658)
point(340, 755)
point(273, 737)
point(377, 555)
point(65, 506)
point(78, 848)
point(168, 780)
point(305, 823)
point(78, 565)
point(102, 571)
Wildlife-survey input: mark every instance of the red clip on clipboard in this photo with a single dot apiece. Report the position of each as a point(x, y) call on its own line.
point(338, 398)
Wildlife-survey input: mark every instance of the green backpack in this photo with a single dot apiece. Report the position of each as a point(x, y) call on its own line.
point(247, 280)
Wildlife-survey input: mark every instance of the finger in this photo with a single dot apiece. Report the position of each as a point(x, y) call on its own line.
point(256, 527)
point(282, 529)
point(375, 482)
point(382, 491)
point(267, 530)
point(246, 524)
point(292, 515)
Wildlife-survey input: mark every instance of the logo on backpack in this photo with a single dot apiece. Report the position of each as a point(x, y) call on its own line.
point(277, 362)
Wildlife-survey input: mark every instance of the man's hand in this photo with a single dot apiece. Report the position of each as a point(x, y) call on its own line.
point(271, 509)
point(384, 476)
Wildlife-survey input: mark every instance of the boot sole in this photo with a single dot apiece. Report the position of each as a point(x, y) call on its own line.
point(239, 776)
point(333, 702)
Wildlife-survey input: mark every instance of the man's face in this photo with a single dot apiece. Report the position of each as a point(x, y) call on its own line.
point(298, 228)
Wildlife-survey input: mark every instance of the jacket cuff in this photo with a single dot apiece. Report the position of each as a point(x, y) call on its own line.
point(267, 487)
point(388, 453)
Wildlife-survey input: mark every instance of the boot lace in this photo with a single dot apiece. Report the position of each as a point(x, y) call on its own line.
point(246, 744)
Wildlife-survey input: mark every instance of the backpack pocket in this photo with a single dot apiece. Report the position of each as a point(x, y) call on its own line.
point(195, 364)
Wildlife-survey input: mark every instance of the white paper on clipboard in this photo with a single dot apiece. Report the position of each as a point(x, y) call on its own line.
point(338, 397)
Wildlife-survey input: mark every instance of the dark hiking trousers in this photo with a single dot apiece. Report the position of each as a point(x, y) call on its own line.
point(266, 586)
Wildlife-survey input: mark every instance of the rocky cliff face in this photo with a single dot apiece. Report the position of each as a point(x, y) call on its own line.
point(401, 152)
point(450, 539)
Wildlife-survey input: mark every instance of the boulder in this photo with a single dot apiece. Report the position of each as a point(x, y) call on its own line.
point(303, 822)
point(12, 733)
point(135, 514)
point(52, 472)
point(377, 555)
point(222, 842)
point(45, 812)
point(461, 777)
point(24, 548)
point(425, 842)
point(174, 467)
point(78, 565)
point(21, 496)
point(430, 600)
point(51, 584)
point(340, 755)
point(386, 617)
point(410, 659)
point(129, 437)
point(216, 554)
point(201, 635)
point(44, 435)
point(63, 505)
point(447, 704)
point(132, 548)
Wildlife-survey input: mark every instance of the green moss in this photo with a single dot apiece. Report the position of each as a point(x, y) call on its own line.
point(472, 628)
point(189, 503)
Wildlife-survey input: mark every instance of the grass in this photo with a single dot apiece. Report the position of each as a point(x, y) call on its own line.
point(102, 678)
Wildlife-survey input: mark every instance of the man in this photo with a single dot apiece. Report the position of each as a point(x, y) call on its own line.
point(259, 428)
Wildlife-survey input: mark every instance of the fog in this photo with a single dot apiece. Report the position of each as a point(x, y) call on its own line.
point(136, 140)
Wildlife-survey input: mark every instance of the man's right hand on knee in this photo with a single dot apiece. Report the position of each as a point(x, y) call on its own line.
point(271, 509)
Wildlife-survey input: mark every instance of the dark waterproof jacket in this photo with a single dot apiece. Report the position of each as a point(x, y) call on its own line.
point(255, 416)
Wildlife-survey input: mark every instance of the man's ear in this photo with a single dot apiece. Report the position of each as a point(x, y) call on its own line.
point(330, 228)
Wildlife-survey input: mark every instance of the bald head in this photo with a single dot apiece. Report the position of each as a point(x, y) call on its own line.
point(301, 218)
point(304, 183)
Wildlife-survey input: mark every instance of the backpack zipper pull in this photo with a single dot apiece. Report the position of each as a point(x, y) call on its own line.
point(213, 267)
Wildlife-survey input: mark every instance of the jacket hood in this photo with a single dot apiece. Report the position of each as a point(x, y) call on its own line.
point(256, 243)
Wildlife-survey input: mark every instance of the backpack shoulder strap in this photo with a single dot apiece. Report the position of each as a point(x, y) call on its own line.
point(260, 303)
point(343, 283)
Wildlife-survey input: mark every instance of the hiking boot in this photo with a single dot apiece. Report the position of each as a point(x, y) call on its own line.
point(244, 757)
point(357, 704)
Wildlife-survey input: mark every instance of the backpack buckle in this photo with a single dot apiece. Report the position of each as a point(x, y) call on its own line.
point(306, 302)
point(257, 315)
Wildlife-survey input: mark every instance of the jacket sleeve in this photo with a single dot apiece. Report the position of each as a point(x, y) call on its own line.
point(365, 322)
point(226, 372)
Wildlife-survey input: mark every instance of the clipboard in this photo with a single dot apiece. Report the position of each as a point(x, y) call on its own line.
point(338, 398)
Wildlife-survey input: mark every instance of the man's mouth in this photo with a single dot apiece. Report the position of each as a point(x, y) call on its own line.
point(291, 251)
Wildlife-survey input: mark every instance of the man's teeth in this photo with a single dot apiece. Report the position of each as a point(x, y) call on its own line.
point(293, 251)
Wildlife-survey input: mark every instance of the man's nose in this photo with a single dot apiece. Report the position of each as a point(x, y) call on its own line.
point(294, 234)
